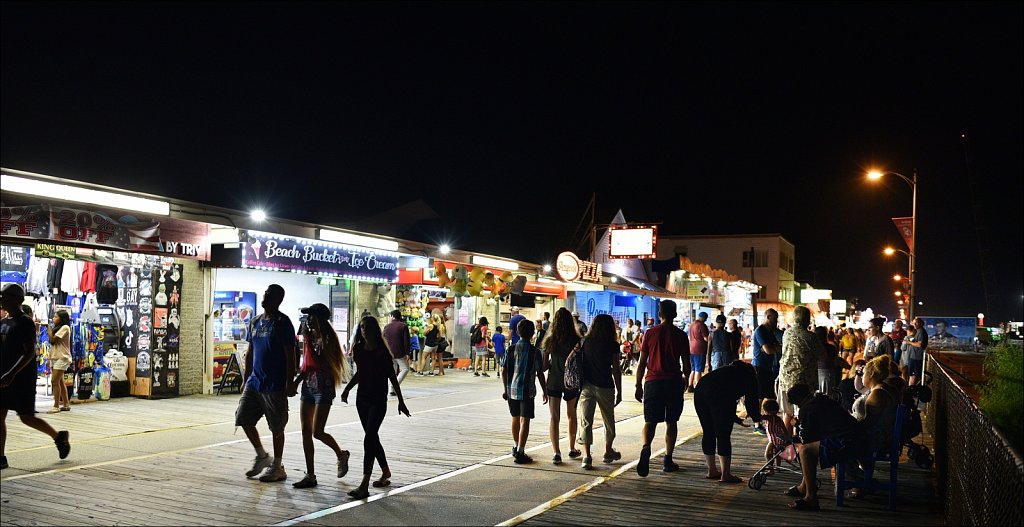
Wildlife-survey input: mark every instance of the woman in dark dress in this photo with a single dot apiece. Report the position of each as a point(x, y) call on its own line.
point(374, 368)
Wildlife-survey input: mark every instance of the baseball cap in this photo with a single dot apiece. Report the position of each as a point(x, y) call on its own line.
point(720, 319)
point(515, 309)
point(703, 314)
point(576, 314)
point(317, 310)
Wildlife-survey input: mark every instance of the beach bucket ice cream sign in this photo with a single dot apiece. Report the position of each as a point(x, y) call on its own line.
point(300, 255)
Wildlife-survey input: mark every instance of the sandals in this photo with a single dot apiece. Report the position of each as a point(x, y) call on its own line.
point(804, 505)
point(573, 453)
point(732, 479)
point(794, 492)
point(359, 493)
point(382, 482)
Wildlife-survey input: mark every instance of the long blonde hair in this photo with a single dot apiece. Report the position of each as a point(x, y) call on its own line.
point(331, 357)
point(436, 321)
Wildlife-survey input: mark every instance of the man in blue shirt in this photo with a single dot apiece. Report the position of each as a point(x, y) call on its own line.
point(513, 325)
point(767, 348)
point(270, 380)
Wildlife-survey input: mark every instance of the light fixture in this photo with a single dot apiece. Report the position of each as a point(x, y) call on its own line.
point(494, 262)
point(920, 303)
point(35, 187)
point(897, 277)
point(875, 174)
point(357, 239)
point(897, 293)
point(547, 268)
point(889, 251)
point(258, 215)
point(444, 248)
point(615, 279)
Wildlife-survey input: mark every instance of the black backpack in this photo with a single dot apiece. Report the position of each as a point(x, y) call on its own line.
point(477, 335)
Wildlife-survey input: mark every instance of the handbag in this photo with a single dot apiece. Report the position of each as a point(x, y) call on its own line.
point(573, 377)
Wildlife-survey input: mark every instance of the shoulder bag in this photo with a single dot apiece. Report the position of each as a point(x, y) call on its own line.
point(574, 367)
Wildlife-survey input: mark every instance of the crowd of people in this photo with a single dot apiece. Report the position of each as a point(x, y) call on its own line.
point(845, 383)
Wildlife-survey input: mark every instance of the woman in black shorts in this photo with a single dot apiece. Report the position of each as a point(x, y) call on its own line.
point(561, 339)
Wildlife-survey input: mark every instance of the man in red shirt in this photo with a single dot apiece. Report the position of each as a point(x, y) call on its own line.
point(699, 337)
point(663, 350)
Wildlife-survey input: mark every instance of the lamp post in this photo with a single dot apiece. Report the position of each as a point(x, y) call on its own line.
point(912, 181)
point(889, 251)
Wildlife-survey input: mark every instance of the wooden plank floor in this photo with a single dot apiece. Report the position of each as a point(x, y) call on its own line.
point(686, 498)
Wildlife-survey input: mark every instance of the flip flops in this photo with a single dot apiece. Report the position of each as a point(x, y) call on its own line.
point(732, 479)
point(803, 505)
point(382, 482)
point(794, 492)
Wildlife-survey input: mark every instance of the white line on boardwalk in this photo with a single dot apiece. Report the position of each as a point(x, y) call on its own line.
point(204, 447)
point(418, 484)
point(583, 488)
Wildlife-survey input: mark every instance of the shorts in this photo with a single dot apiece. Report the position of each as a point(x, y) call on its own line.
point(560, 391)
point(697, 362)
point(61, 364)
point(255, 404)
point(663, 400)
point(318, 388)
point(765, 383)
point(914, 367)
point(522, 408)
point(20, 395)
point(785, 406)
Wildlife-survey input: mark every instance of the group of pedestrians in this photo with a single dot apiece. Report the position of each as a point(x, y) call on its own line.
point(272, 376)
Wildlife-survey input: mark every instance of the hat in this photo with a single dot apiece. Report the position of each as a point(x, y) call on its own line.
point(878, 321)
point(317, 310)
point(720, 319)
point(515, 308)
point(576, 314)
point(703, 314)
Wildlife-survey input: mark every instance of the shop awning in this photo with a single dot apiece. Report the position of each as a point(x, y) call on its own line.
point(646, 286)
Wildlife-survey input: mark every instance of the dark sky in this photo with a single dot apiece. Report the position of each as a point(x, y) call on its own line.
point(709, 117)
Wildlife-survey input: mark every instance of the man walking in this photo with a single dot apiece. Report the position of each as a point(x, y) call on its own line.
point(801, 350)
point(396, 335)
point(699, 336)
point(18, 372)
point(270, 380)
point(767, 345)
point(513, 326)
point(662, 352)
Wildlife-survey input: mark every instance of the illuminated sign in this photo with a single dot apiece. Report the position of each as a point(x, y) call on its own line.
point(632, 241)
point(271, 252)
point(569, 268)
point(837, 306)
point(812, 296)
point(327, 280)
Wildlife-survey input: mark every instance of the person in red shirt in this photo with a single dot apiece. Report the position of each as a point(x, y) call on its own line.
point(664, 364)
point(699, 337)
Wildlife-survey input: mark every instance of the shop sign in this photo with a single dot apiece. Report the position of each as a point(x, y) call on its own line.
point(698, 290)
point(569, 268)
point(633, 241)
point(49, 250)
point(60, 224)
point(285, 253)
point(13, 263)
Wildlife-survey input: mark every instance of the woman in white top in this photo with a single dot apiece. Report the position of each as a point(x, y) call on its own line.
point(60, 360)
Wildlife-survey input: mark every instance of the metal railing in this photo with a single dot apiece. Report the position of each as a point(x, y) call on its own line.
point(981, 478)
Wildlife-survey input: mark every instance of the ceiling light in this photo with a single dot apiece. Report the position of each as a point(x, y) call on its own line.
point(444, 248)
point(102, 198)
point(258, 215)
point(356, 239)
point(494, 262)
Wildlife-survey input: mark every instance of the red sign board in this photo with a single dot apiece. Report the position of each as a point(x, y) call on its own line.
point(906, 228)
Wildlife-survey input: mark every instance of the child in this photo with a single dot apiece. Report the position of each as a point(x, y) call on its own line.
point(499, 346)
point(777, 434)
point(414, 348)
point(522, 363)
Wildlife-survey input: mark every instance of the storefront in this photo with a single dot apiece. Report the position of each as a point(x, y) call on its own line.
point(128, 283)
point(352, 281)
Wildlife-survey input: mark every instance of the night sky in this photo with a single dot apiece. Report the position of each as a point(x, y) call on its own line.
point(712, 118)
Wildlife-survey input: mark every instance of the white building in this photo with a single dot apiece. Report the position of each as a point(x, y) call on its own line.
point(769, 256)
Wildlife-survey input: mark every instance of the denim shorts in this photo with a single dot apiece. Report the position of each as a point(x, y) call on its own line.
point(318, 388)
point(697, 362)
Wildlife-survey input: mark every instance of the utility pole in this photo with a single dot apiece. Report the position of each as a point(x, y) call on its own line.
point(753, 295)
point(593, 227)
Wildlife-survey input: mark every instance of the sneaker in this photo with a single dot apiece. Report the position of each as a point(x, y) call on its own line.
point(588, 463)
point(557, 459)
point(476, 374)
point(485, 374)
point(643, 467)
point(273, 474)
point(669, 466)
point(759, 430)
point(65, 409)
point(54, 410)
point(522, 459)
point(307, 481)
point(515, 450)
point(343, 463)
point(573, 454)
point(258, 465)
point(63, 445)
point(3, 462)
point(612, 456)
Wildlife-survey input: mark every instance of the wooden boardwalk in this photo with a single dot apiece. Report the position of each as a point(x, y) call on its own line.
point(686, 498)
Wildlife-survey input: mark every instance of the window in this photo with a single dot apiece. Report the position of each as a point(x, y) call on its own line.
point(762, 294)
point(755, 259)
point(786, 262)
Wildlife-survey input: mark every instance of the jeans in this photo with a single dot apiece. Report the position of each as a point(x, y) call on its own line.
point(603, 398)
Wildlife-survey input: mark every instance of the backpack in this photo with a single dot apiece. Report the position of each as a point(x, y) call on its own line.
point(477, 336)
point(574, 368)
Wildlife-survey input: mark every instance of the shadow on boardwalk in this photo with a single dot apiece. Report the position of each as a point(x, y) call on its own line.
point(686, 498)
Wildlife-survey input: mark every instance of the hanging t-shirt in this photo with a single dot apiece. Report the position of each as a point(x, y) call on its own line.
point(53, 273)
point(106, 284)
point(88, 282)
point(35, 282)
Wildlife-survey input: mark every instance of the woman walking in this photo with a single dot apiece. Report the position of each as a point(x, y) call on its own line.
point(323, 367)
point(602, 387)
point(374, 368)
point(60, 360)
point(560, 341)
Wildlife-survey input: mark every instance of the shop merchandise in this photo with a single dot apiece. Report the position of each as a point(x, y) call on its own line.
point(53, 274)
point(106, 283)
point(161, 296)
point(71, 276)
point(35, 282)
point(88, 281)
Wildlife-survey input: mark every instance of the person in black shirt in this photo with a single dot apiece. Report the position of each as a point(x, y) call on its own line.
point(18, 372)
point(828, 434)
point(715, 400)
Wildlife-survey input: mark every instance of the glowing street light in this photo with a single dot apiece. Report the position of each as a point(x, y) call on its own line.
point(444, 248)
point(547, 268)
point(877, 175)
point(897, 293)
point(258, 215)
point(897, 277)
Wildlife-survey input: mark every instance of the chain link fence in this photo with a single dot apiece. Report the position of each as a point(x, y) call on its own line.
point(981, 478)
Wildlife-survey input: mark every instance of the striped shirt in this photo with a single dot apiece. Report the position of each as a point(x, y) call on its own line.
point(523, 362)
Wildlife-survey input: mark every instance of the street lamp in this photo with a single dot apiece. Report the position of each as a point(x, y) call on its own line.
point(876, 175)
point(897, 277)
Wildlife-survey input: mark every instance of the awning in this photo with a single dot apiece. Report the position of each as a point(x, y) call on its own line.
point(646, 286)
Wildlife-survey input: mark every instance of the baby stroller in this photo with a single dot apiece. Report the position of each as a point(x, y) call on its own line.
point(912, 427)
point(785, 450)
